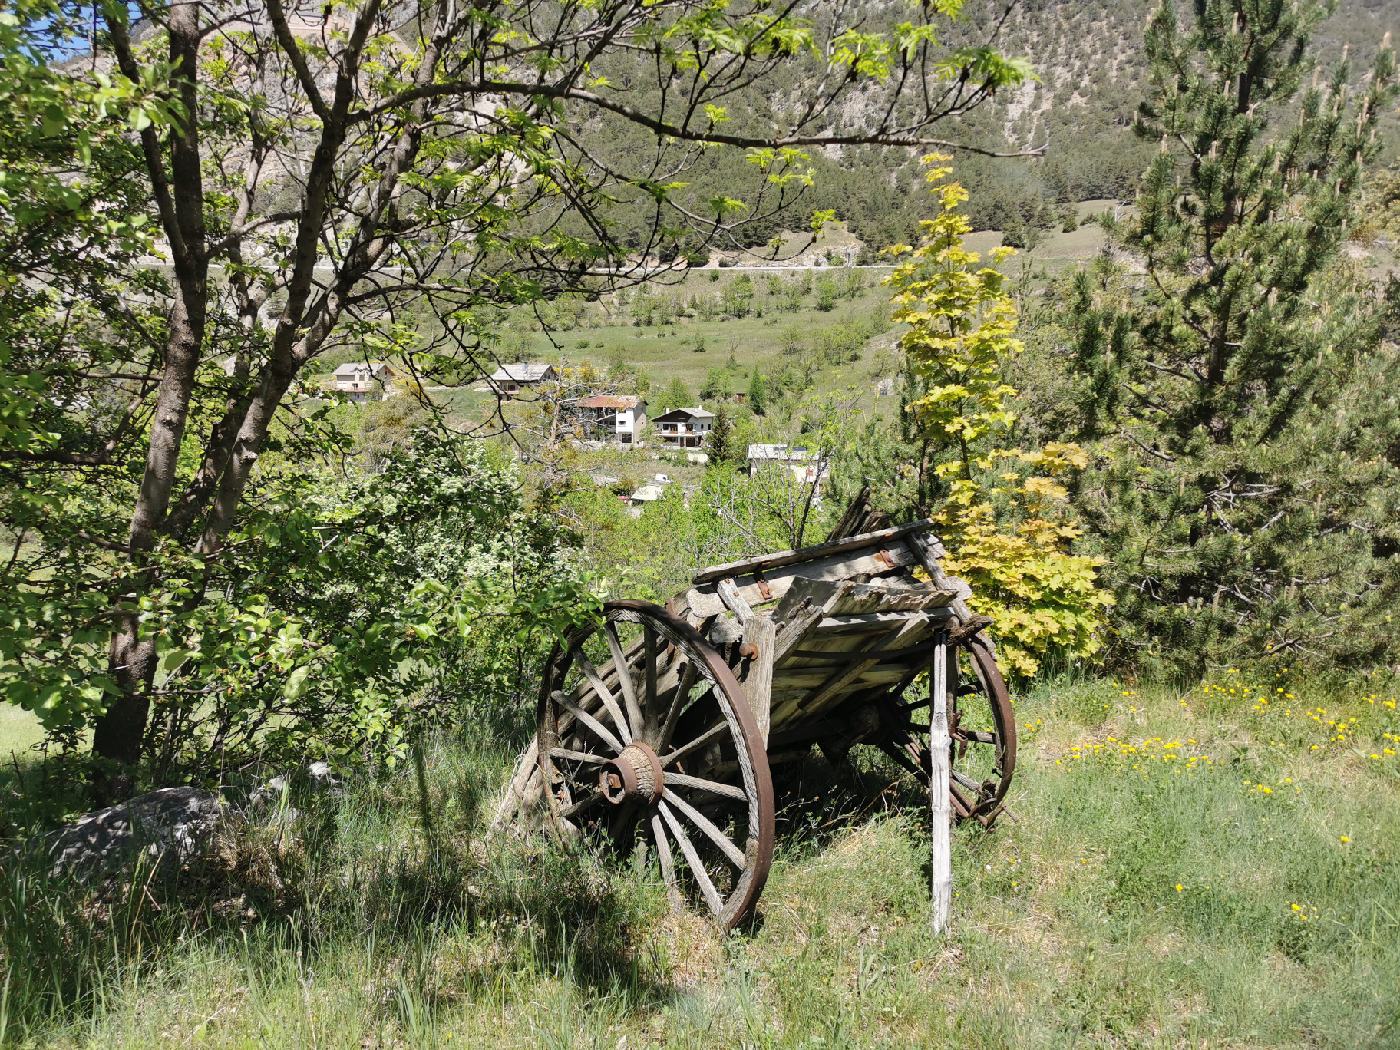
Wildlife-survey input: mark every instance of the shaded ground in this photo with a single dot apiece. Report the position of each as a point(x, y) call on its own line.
point(1217, 866)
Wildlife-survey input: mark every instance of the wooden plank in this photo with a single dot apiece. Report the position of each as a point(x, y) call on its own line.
point(868, 623)
point(815, 658)
point(879, 598)
point(734, 601)
point(788, 681)
point(930, 551)
point(861, 680)
point(836, 684)
point(513, 801)
point(797, 614)
point(808, 554)
point(705, 601)
point(761, 633)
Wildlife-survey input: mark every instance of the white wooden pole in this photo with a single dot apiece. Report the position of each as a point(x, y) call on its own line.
point(940, 808)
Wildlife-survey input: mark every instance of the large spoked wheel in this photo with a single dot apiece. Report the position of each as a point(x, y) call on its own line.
point(982, 727)
point(646, 741)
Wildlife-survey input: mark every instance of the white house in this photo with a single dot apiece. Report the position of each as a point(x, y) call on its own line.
point(684, 427)
point(612, 417)
point(513, 378)
point(364, 380)
point(808, 467)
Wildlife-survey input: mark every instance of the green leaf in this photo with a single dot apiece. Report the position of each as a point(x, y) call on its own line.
point(296, 682)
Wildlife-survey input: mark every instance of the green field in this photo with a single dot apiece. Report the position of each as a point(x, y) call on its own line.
point(1218, 866)
point(691, 335)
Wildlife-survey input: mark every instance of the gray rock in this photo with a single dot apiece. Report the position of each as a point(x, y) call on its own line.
point(165, 829)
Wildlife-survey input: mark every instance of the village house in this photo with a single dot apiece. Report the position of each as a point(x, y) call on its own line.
point(612, 417)
point(513, 378)
point(808, 467)
point(684, 427)
point(364, 380)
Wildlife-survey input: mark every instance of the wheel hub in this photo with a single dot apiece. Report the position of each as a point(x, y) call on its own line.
point(634, 774)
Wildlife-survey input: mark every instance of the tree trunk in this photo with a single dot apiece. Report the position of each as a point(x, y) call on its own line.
point(131, 660)
point(119, 731)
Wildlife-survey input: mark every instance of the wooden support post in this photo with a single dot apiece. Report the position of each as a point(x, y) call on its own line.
point(761, 633)
point(940, 814)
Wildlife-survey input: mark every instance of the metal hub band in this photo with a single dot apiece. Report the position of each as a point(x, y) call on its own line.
point(634, 774)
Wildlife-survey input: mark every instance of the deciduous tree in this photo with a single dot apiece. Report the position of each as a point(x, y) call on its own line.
point(329, 178)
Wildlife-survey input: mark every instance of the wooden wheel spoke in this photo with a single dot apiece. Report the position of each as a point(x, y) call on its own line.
point(600, 687)
point(576, 756)
point(578, 807)
point(714, 787)
point(584, 718)
point(902, 759)
point(697, 867)
point(624, 678)
point(667, 859)
point(648, 679)
point(965, 781)
point(976, 736)
point(707, 737)
point(719, 838)
point(663, 736)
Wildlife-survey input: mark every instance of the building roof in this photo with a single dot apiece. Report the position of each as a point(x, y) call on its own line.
point(614, 402)
point(780, 453)
point(353, 368)
point(520, 372)
point(684, 413)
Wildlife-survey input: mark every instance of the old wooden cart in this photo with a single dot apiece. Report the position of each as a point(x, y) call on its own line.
point(662, 728)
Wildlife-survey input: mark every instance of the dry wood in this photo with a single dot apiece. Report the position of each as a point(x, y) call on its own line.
point(734, 601)
point(807, 554)
point(513, 800)
point(761, 633)
point(705, 601)
point(940, 817)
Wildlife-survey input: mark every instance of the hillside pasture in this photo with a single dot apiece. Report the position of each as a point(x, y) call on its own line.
point(1213, 866)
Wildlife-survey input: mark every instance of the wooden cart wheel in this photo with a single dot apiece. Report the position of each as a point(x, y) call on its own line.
point(982, 727)
point(666, 756)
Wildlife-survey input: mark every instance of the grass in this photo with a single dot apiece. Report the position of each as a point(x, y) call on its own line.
point(19, 731)
point(1219, 866)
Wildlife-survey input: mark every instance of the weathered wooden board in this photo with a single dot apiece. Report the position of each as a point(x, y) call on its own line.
point(704, 600)
point(768, 562)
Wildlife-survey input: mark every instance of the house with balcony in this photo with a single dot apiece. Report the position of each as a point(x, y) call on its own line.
point(611, 417)
point(364, 380)
point(684, 427)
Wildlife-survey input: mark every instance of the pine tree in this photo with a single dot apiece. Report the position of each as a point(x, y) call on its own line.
point(722, 445)
point(1235, 479)
point(758, 393)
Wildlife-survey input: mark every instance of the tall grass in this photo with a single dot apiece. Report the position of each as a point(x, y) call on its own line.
point(1192, 867)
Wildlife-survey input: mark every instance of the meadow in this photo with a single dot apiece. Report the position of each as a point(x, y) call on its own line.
point(786, 323)
point(1211, 866)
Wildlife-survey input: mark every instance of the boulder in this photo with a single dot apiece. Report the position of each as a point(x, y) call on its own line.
point(164, 829)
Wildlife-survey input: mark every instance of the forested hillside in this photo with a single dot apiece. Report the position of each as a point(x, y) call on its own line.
point(1076, 115)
